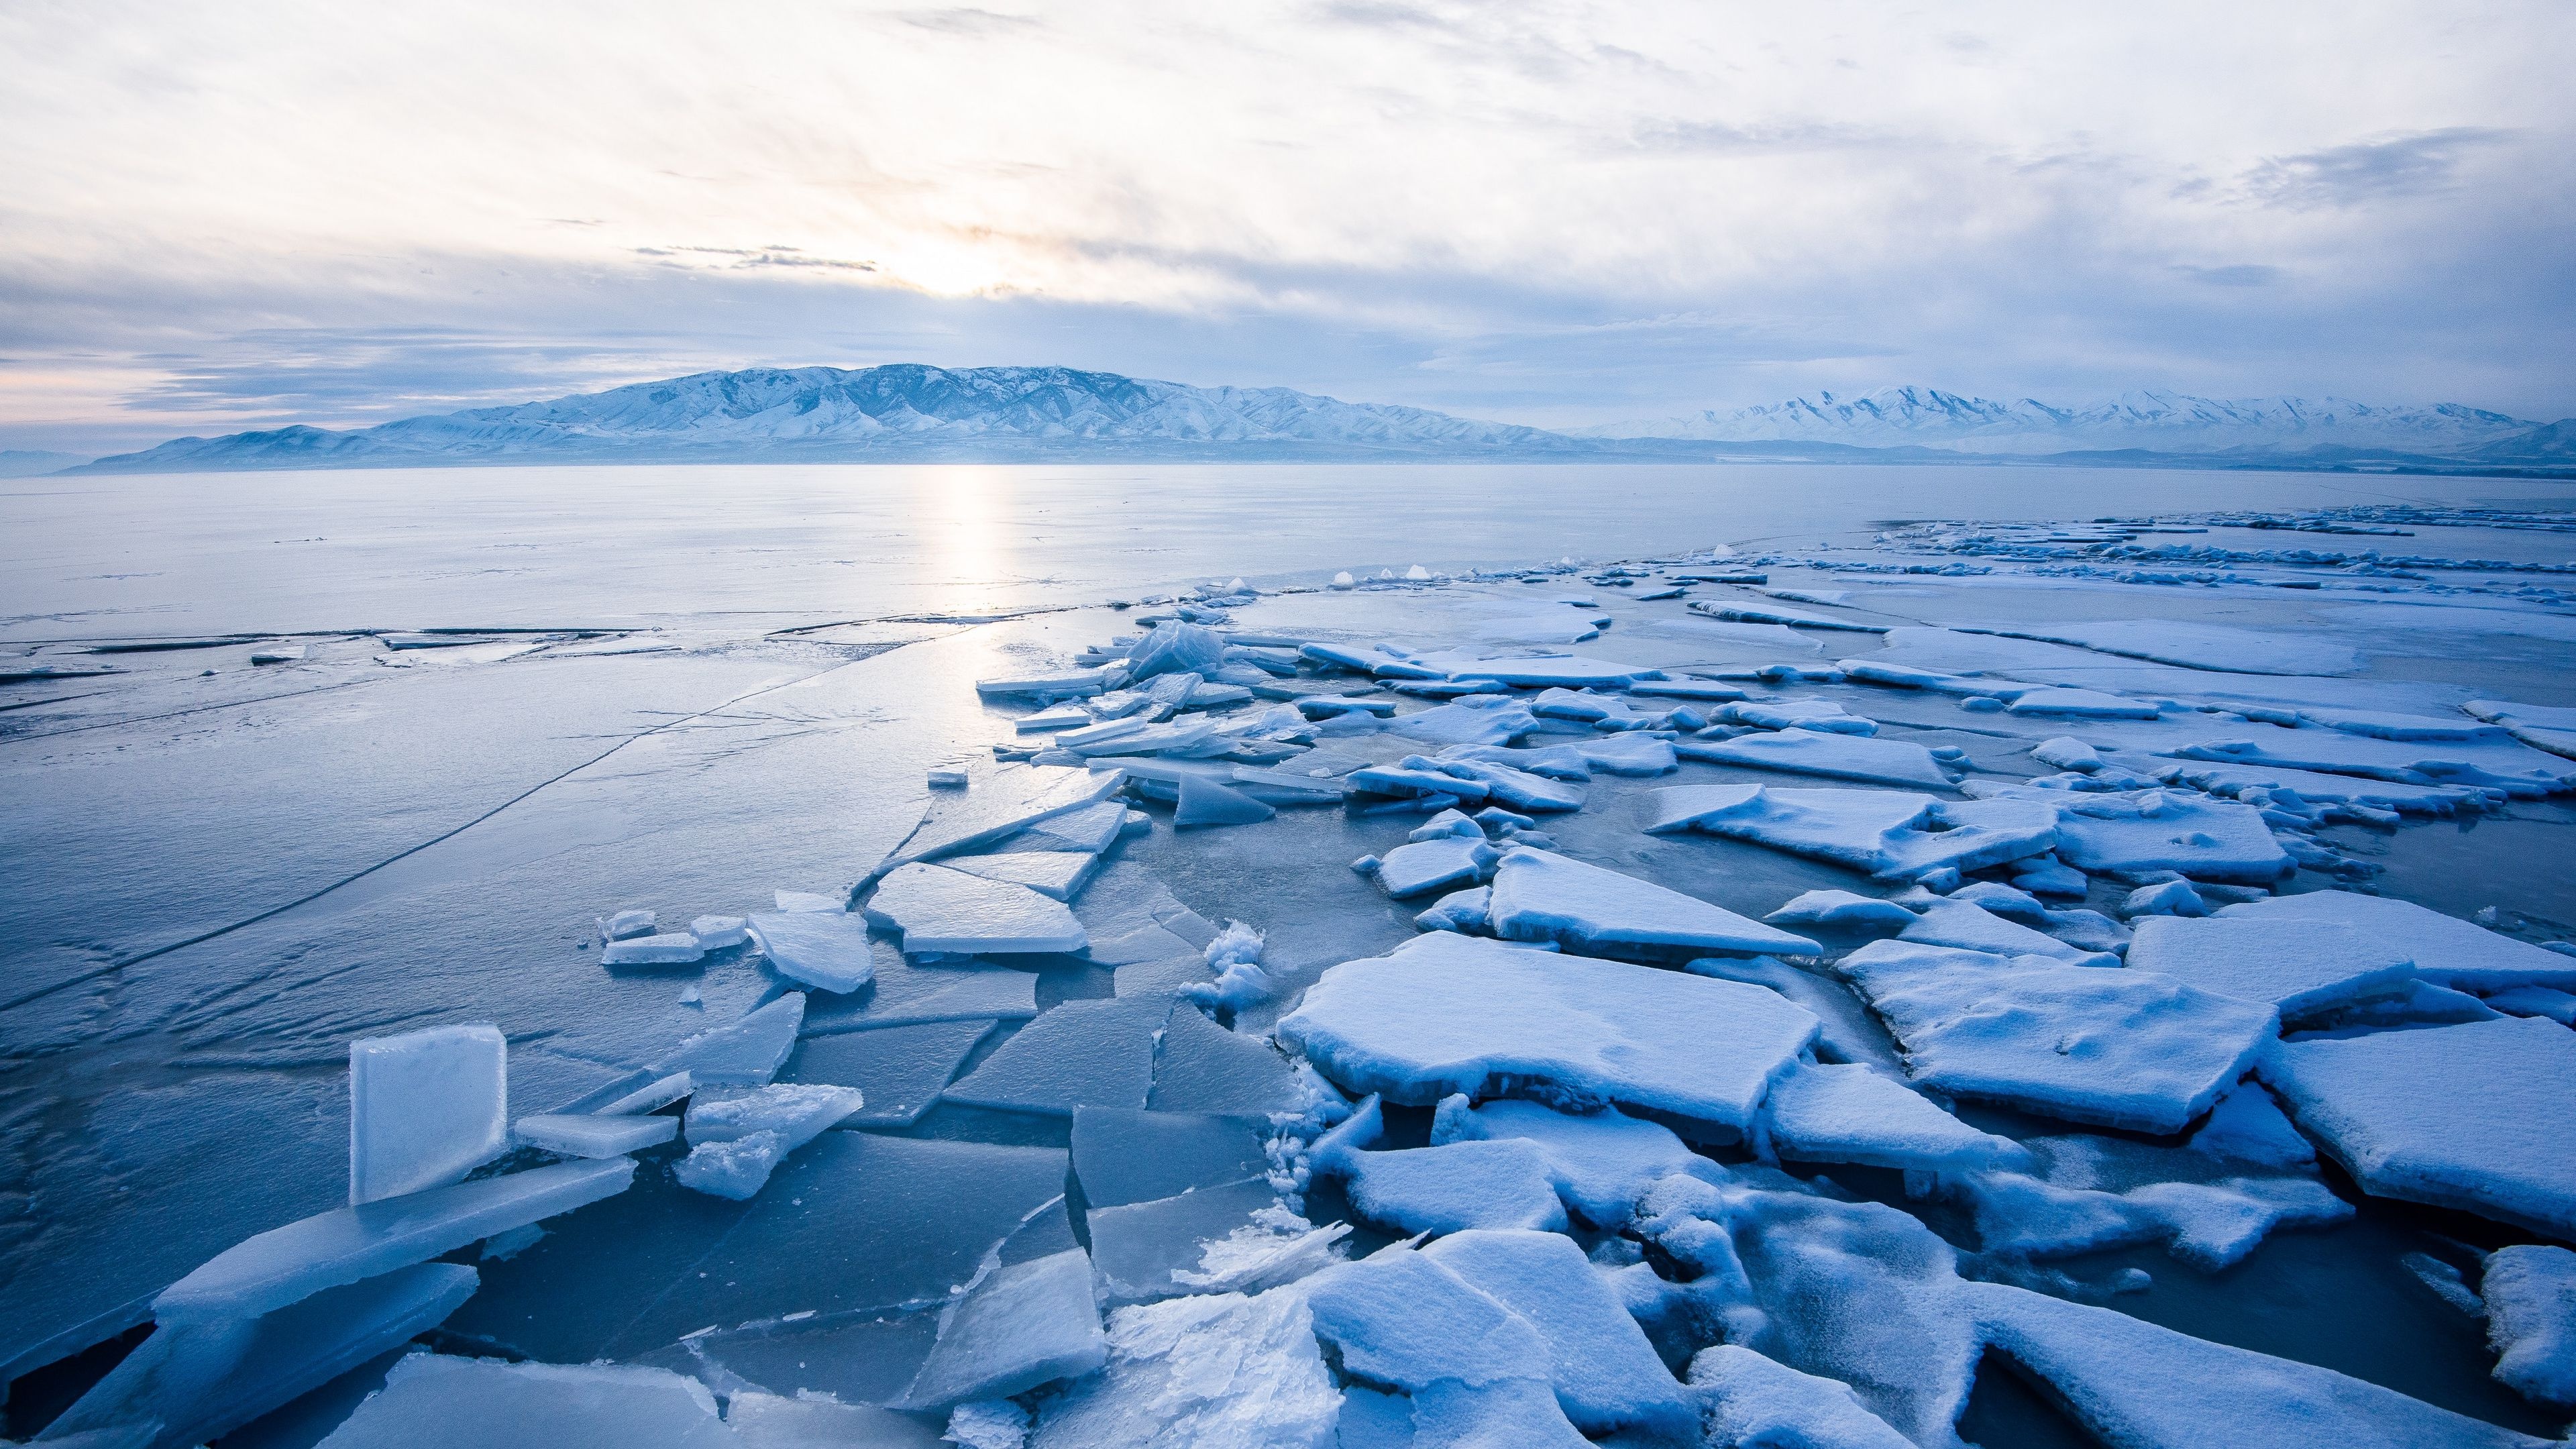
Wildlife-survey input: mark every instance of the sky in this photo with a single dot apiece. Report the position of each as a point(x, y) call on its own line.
point(215, 217)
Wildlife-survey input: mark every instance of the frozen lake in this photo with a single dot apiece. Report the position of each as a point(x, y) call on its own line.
point(500, 705)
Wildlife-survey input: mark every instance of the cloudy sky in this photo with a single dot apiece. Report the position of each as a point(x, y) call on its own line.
point(220, 216)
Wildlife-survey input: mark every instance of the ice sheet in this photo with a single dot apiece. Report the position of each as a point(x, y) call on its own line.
point(1850, 1113)
point(1841, 757)
point(478, 1403)
point(825, 951)
point(1540, 896)
point(937, 909)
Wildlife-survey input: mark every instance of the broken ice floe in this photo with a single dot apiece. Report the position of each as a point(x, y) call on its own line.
point(425, 1108)
point(1887, 833)
point(1850, 1113)
point(2530, 1293)
point(1842, 757)
point(936, 909)
point(1539, 896)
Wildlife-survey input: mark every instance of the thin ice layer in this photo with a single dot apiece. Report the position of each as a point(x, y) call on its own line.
point(1542, 896)
point(1058, 874)
point(2116, 1048)
point(745, 1052)
point(2470, 1117)
point(943, 910)
point(589, 1134)
point(1444, 1013)
point(994, 805)
point(481, 1403)
point(1024, 1325)
point(1097, 1053)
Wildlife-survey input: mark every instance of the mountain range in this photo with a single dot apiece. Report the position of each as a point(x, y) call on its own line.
point(912, 413)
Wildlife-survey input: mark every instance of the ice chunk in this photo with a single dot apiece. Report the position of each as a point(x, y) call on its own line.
point(478, 1403)
point(676, 948)
point(828, 952)
point(2510, 768)
point(1599, 1164)
point(1973, 927)
point(1400, 1319)
point(1465, 910)
point(797, 1114)
point(1821, 715)
point(1008, 800)
point(650, 1095)
point(1604, 1372)
point(2301, 966)
point(737, 1168)
point(1850, 1113)
point(284, 1265)
point(1202, 1067)
point(2209, 1225)
point(993, 1424)
point(2165, 898)
point(938, 909)
point(1089, 830)
point(767, 1421)
point(1097, 1053)
point(2048, 877)
point(1517, 788)
point(2139, 832)
point(810, 901)
point(1541, 896)
point(906, 994)
point(1058, 874)
point(1847, 1032)
point(2543, 727)
point(1752, 1400)
point(714, 933)
point(585, 1134)
point(1450, 822)
point(747, 1052)
point(200, 1380)
point(2446, 950)
point(1444, 1013)
point(425, 1108)
point(1765, 614)
point(1469, 1184)
point(1205, 803)
point(1156, 1248)
point(2063, 702)
point(2133, 1383)
point(2248, 1126)
point(1890, 834)
point(1428, 865)
point(2115, 1048)
point(2469, 1117)
point(1842, 757)
point(278, 654)
point(2067, 753)
point(1025, 1325)
point(2006, 901)
point(2530, 1292)
point(1629, 754)
point(626, 925)
point(1223, 1371)
point(1173, 647)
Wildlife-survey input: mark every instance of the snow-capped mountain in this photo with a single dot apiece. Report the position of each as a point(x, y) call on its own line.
point(902, 411)
point(2164, 422)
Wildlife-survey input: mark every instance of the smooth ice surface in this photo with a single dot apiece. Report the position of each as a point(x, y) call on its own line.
point(1850, 1113)
point(1010, 798)
point(1449, 1188)
point(1754, 1401)
point(1125, 1156)
point(2300, 966)
point(1159, 1247)
point(938, 909)
point(588, 1134)
point(2471, 1116)
point(200, 1380)
point(769, 1421)
point(1600, 1163)
point(285, 1264)
point(1083, 1053)
point(481, 1403)
point(1202, 1067)
point(1841, 757)
point(1444, 1013)
point(676, 948)
point(901, 1070)
point(1205, 804)
point(2445, 950)
point(2530, 1293)
point(826, 951)
point(425, 1108)
point(1025, 1325)
point(2112, 1047)
point(2135, 1384)
point(1223, 1371)
point(1056, 873)
point(1542, 896)
point(745, 1052)
point(903, 993)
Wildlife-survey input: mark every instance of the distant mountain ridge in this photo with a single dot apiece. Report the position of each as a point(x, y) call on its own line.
point(2164, 422)
point(911, 413)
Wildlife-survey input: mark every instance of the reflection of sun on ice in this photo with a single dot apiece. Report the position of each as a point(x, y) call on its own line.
point(960, 512)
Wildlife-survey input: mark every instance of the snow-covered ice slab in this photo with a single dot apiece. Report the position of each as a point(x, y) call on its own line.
point(1972, 927)
point(747, 1052)
point(826, 951)
point(2543, 727)
point(2530, 1292)
point(1452, 1187)
point(283, 1265)
point(1539, 896)
point(672, 948)
point(938, 909)
point(1445, 1013)
point(2112, 1047)
point(1604, 1372)
point(796, 1112)
point(2133, 1383)
point(2299, 966)
point(2141, 831)
point(1224, 1371)
point(425, 1108)
point(1056, 873)
point(2057, 701)
point(2519, 772)
point(588, 1134)
point(1096, 1053)
point(1842, 908)
point(481, 1403)
point(1027, 1324)
point(1600, 1163)
point(201, 1380)
point(1889, 833)
point(2471, 1116)
point(1537, 671)
point(1766, 614)
point(993, 806)
point(1850, 1113)
point(1429, 865)
point(1840, 757)
point(1750, 1399)
point(1518, 789)
point(2446, 950)
point(2318, 788)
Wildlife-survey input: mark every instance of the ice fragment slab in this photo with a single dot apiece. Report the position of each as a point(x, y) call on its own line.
point(425, 1108)
point(768, 1421)
point(747, 1052)
point(1058, 874)
point(1205, 804)
point(2512, 769)
point(1449, 1188)
point(626, 925)
point(938, 909)
point(1025, 1325)
point(2134, 833)
point(2543, 727)
point(1090, 829)
point(827, 951)
point(2115, 1048)
point(1850, 1113)
point(197, 1381)
point(1126, 1156)
point(1154, 1249)
point(1097, 1053)
point(1605, 1374)
point(905, 994)
point(1398, 1318)
point(1010, 799)
point(2051, 701)
point(2132, 1383)
point(2299, 966)
point(2470, 1117)
point(1429, 865)
point(1517, 788)
point(1445, 1013)
point(737, 1168)
point(676, 948)
point(797, 1113)
point(1202, 1067)
point(1569, 671)
point(901, 1070)
point(2530, 1292)
point(586, 1134)
point(2446, 950)
point(1973, 927)
point(1841, 757)
point(284, 1265)
point(476, 1403)
point(1541, 896)
point(1224, 1371)
point(714, 933)
point(1754, 1400)
point(1599, 1163)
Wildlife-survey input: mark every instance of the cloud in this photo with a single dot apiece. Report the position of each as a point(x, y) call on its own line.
point(2367, 171)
